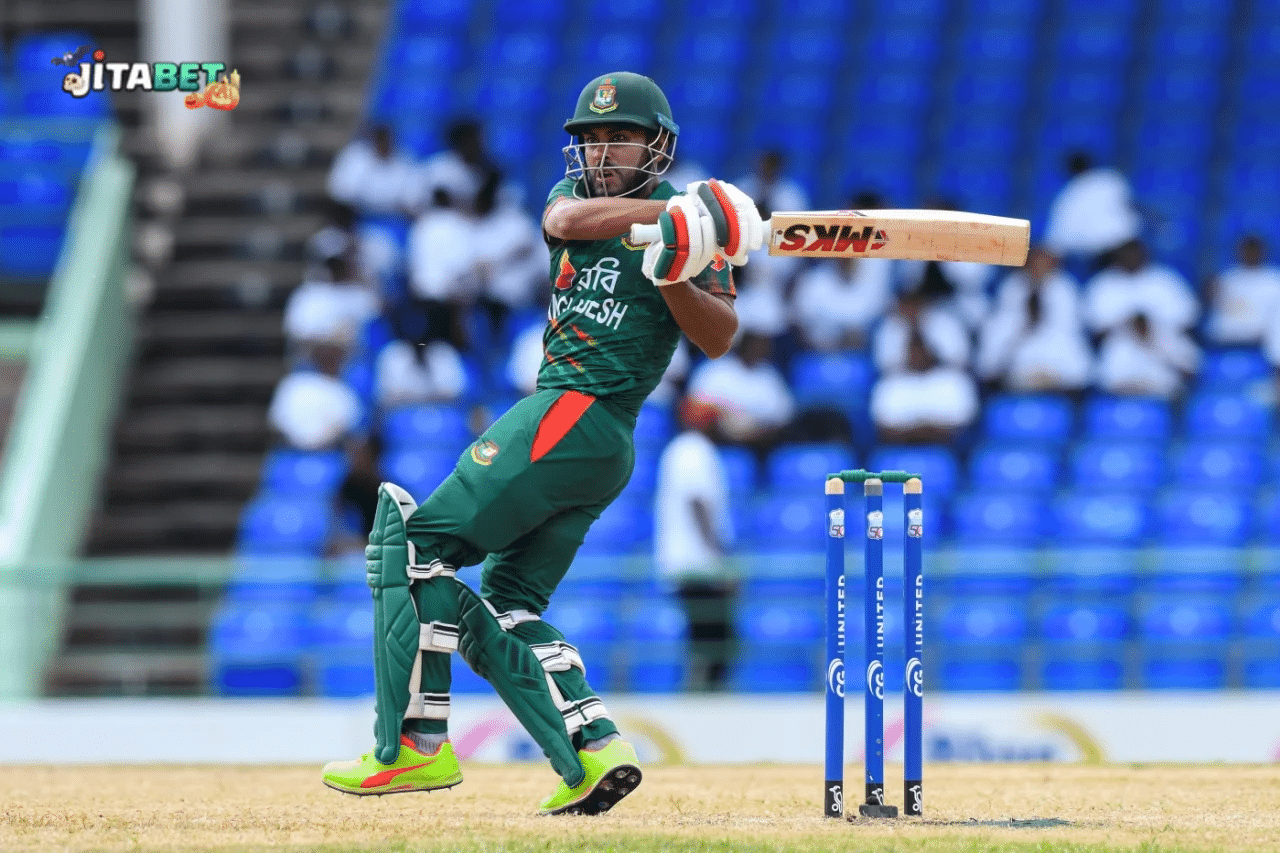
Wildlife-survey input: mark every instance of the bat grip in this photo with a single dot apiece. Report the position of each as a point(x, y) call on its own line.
point(642, 234)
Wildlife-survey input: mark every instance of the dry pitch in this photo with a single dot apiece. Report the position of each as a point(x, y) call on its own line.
point(755, 808)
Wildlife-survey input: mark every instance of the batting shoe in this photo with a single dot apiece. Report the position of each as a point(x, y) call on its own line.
point(613, 771)
point(411, 771)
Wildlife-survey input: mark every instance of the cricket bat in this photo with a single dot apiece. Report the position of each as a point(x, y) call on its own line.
point(917, 235)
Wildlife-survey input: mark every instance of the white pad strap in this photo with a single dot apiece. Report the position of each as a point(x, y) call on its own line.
point(427, 706)
point(434, 569)
point(559, 656)
point(438, 637)
point(512, 618)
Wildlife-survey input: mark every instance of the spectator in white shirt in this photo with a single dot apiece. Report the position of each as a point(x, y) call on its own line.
point(1143, 312)
point(1035, 338)
point(836, 303)
point(693, 531)
point(312, 408)
point(764, 284)
point(458, 173)
point(1134, 284)
point(512, 259)
point(332, 310)
point(407, 374)
point(370, 174)
point(925, 401)
point(1244, 298)
point(927, 312)
point(1092, 214)
point(753, 398)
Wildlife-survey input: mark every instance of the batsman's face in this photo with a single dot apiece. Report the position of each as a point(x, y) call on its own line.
point(613, 156)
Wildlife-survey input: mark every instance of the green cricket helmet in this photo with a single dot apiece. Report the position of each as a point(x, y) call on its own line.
point(626, 98)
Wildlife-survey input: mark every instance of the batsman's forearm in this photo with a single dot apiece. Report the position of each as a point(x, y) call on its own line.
point(709, 321)
point(598, 218)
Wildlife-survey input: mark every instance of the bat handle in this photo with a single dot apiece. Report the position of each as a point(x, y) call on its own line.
point(642, 234)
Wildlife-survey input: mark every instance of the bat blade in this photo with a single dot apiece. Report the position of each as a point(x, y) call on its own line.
point(923, 235)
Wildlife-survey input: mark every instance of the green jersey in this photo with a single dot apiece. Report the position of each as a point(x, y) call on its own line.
point(610, 333)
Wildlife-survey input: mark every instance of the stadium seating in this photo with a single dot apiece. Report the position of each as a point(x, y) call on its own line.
point(258, 649)
point(1041, 419)
point(285, 526)
point(1130, 418)
point(299, 471)
point(1014, 468)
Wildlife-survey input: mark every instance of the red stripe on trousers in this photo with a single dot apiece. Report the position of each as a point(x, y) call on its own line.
point(556, 423)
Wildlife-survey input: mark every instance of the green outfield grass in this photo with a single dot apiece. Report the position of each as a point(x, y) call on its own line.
point(753, 809)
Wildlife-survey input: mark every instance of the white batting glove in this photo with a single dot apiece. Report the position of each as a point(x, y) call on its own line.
point(739, 228)
point(687, 244)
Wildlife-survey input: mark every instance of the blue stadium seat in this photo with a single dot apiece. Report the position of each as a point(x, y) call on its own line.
point(937, 466)
point(818, 49)
point(1208, 571)
point(986, 571)
point(284, 525)
point(656, 652)
point(790, 522)
point(1014, 468)
point(657, 669)
point(1085, 621)
point(713, 14)
point(395, 99)
point(607, 14)
point(986, 92)
point(995, 518)
point(769, 620)
point(1261, 666)
point(257, 650)
point(655, 425)
point(770, 667)
point(522, 53)
point(1065, 668)
point(1260, 619)
point(609, 51)
point(415, 16)
point(911, 14)
point(274, 579)
point(1133, 418)
point(983, 620)
point(707, 95)
point(582, 619)
point(1093, 571)
point(1230, 368)
point(419, 472)
point(896, 94)
point(985, 45)
point(41, 192)
point(342, 637)
point(976, 673)
point(724, 49)
point(1190, 47)
point(426, 54)
point(522, 98)
point(1117, 466)
point(1218, 464)
point(438, 426)
point(1267, 519)
point(464, 681)
point(1185, 618)
point(804, 467)
point(739, 466)
point(625, 527)
point(1097, 46)
point(1191, 516)
point(29, 251)
point(835, 378)
point(1084, 126)
point(1088, 518)
point(804, 98)
point(1201, 13)
point(1183, 669)
point(1094, 92)
point(303, 471)
point(1003, 12)
point(1034, 418)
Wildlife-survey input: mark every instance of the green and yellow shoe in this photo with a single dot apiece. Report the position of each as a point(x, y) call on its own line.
point(613, 771)
point(411, 771)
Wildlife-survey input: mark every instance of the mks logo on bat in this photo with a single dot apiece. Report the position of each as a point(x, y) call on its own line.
point(832, 238)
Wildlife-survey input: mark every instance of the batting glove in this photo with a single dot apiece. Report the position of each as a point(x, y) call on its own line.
point(739, 228)
point(688, 243)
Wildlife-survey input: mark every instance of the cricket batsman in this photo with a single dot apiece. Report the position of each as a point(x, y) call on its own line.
point(521, 498)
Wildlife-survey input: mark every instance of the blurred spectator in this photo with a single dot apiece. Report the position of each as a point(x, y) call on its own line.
point(924, 401)
point(406, 373)
point(673, 378)
point(1142, 312)
point(835, 303)
point(511, 257)
point(754, 400)
point(356, 500)
point(924, 312)
point(333, 309)
point(1134, 284)
point(1092, 214)
point(526, 358)
point(457, 175)
point(336, 238)
point(684, 172)
point(692, 532)
point(370, 174)
point(765, 282)
point(1035, 338)
point(312, 408)
point(1244, 298)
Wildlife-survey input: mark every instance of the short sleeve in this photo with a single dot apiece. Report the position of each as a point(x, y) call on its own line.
point(717, 278)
